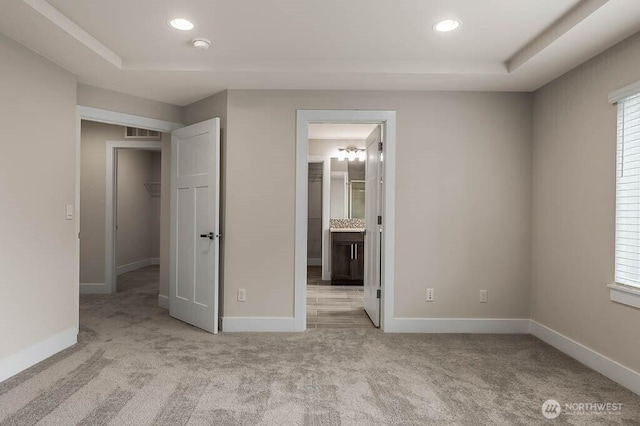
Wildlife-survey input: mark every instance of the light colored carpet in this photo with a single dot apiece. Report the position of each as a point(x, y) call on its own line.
point(134, 365)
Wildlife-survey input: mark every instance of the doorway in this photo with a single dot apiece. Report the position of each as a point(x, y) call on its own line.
point(335, 287)
point(366, 270)
point(191, 241)
point(137, 201)
point(117, 238)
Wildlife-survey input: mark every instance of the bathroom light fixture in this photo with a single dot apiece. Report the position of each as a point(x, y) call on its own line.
point(181, 24)
point(351, 153)
point(201, 43)
point(446, 25)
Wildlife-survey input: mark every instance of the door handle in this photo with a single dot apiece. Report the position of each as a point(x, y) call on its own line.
point(356, 246)
point(351, 247)
point(209, 235)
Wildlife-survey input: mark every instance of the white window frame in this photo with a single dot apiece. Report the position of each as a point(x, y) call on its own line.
point(623, 293)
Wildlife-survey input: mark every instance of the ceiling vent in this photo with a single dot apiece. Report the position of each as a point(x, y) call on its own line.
point(137, 133)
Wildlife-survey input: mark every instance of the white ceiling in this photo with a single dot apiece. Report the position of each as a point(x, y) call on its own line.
point(127, 46)
point(340, 131)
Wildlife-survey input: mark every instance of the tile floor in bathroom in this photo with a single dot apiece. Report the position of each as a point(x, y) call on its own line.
point(334, 306)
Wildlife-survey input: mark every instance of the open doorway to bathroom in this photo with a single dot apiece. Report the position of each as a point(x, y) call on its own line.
point(336, 218)
point(379, 223)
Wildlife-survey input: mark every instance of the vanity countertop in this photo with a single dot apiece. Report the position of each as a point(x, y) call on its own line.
point(346, 229)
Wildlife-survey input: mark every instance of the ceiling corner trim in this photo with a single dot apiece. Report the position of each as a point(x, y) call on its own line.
point(564, 24)
point(71, 28)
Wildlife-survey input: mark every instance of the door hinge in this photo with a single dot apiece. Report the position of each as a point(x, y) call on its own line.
point(380, 146)
point(379, 220)
point(378, 294)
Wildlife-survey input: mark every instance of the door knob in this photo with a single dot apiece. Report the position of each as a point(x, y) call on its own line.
point(209, 235)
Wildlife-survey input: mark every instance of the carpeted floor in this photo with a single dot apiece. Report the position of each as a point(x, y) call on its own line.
point(134, 365)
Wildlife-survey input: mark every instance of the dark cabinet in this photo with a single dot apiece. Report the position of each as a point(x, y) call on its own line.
point(347, 258)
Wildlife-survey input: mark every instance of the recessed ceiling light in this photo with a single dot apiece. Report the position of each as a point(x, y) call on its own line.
point(446, 25)
point(181, 24)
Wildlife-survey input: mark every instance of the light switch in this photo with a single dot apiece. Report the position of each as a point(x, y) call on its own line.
point(69, 212)
point(242, 295)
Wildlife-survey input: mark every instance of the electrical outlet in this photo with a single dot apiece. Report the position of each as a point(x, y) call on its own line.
point(430, 295)
point(242, 295)
point(484, 296)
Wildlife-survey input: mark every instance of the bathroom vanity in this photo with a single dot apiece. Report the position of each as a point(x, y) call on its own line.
point(347, 256)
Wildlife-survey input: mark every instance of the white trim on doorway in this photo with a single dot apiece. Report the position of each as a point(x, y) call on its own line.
point(121, 119)
point(110, 271)
point(304, 117)
point(326, 214)
point(109, 117)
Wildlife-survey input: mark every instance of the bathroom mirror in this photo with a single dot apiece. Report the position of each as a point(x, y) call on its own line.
point(347, 189)
point(356, 199)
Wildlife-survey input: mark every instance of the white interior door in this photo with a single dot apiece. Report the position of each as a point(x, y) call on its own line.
point(195, 224)
point(373, 235)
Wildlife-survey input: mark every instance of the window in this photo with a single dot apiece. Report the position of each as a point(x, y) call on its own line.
point(626, 288)
point(628, 193)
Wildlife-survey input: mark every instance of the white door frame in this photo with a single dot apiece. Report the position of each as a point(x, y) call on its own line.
point(326, 210)
point(108, 117)
point(111, 204)
point(304, 117)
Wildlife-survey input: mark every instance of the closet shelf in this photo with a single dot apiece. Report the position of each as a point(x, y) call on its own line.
point(153, 188)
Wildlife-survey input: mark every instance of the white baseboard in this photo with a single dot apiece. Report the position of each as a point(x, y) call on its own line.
point(94, 288)
point(604, 365)
point(155, 261)
point(13, 364)
point(458, 325)
point(242, 324)
point(163, 301)
point(314, 262)
point(135, 265)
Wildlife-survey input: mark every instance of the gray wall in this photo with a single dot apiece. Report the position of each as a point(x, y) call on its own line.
point(463, 194)
point(156, 176)
point(93, 200)
point(113, 101)
point(574, 158)
point(38, 248)
point(209, 107)
point(138, 230)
